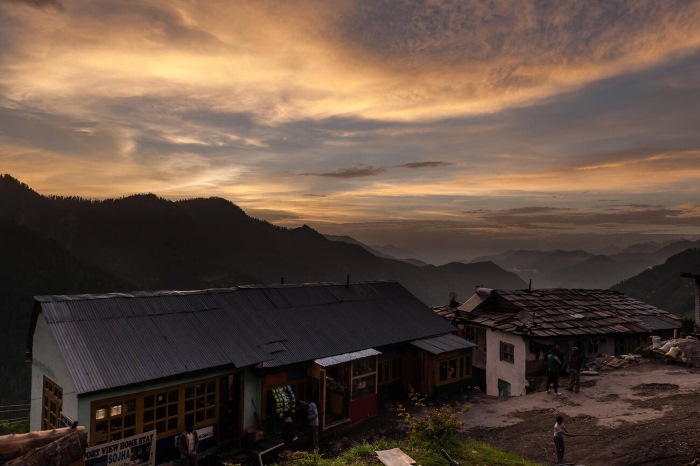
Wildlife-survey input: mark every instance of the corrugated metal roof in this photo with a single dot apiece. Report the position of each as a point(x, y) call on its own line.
point(560, 311)
point(112, 340)
point(443, 344)
point(346, 357)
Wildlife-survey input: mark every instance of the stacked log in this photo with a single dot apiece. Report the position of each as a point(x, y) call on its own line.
point(58, 447)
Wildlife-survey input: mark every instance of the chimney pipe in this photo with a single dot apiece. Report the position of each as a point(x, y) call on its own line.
point(347, 282)
point(529, 287)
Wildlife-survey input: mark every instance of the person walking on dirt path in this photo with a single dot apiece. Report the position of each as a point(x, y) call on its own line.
point(575, 364)
point(559, 433)
point(553, 366)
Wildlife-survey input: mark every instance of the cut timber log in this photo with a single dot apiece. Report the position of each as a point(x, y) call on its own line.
point(16, 446)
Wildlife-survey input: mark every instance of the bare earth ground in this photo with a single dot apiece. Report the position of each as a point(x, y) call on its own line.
point(644, 414)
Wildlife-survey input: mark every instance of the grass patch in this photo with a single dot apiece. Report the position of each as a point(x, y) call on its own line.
point(467, 452)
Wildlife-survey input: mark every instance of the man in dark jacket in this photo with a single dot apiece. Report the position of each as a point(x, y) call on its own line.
point(575, 364)
point(553, 366)
point(187, 444)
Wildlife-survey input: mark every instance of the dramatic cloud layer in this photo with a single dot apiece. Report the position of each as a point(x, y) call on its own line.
point(446, 127)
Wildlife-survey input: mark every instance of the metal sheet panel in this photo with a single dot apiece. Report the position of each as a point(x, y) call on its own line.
point(443, 344)
point(346, 357)
point(114, 340)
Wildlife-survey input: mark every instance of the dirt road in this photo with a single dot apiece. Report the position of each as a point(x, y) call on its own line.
point(645, 414)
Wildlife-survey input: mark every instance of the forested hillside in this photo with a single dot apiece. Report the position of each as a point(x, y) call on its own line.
point(32, 265)
point(68, 245)
point(663, 287)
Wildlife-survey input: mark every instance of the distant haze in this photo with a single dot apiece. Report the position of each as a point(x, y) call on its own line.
point(447, 129)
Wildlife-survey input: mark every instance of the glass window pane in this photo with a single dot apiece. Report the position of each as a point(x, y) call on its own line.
point(211, 413)
point(148, 416)
point(172, 410)
point(172, 424)
point(172, 396)
point(129, 420)
point(211, 387)
point(189, 405)
point(160, 426)
point(160, 412)
point(148, 401)
point(189, 391)
point(130, 406)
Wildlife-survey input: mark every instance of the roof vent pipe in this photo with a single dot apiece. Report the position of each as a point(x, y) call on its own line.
point(347, 281)
point(529, 287)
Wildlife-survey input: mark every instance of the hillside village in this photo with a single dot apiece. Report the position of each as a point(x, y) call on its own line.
point(131, 368)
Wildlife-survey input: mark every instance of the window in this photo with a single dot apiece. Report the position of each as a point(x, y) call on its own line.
point(390, 370)
point(201, 401)
point(163, 410)
point(477, 336)
point(52, 405)
point(507, 352)
point(115, 419)
point(160, 412)
point(452, 369)
point(593, 346)
point(364, 377)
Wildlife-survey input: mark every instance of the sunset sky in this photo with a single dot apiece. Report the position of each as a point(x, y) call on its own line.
point(449, 129)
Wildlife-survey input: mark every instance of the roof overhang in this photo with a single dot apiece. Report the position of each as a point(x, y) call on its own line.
point(346, 357)
point(443, 343)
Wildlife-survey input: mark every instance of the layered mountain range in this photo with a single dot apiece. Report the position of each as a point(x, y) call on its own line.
point(71, 245)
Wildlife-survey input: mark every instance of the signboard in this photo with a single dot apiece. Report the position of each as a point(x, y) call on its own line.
point(65, 421)
point(137, 450)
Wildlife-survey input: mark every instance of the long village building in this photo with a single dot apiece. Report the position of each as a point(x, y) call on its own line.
point(234, 359)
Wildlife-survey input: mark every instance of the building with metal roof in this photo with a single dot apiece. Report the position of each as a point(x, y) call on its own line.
point(515, 329)
point(128, 363)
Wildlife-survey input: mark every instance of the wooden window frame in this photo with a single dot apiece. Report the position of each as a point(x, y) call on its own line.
point(170, 413)
point(461, 369)
point(507, 352)
point(52, 404)
point(389, 370)
point(363, 377)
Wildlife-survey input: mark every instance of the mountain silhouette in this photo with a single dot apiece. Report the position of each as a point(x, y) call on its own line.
point(662, 285)
point(71, 245)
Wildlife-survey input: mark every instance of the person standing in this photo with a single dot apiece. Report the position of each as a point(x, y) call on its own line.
point(553, 365)
point(187, 444)
point(559, 354)
point(288, 430)
point(559, 433)
point(312, 418)
point(575, 364)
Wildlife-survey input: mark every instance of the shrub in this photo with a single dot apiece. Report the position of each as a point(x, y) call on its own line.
point(430, 424)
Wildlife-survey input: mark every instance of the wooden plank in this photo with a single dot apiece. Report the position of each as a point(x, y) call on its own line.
point(394, 457)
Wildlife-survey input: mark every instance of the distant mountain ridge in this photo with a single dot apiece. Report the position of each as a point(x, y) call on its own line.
point(198, 243)
point(663, 286)
point(70, 245)
point(582, 269)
